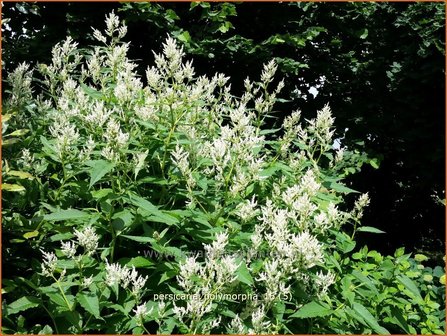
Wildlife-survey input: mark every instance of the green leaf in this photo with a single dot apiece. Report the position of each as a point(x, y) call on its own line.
point(141, 203)
point(151, 210)
point(140, 239)
point(374, 163)
point(244, 275)
point(19, 132)
point(101, 193)
point(31, 234)
point(184, 37)
point(12, 187)
point(363, 34)
point(365, 280)
point(369, 319)
point(20, 174)
point(420, 257)
point(22, 304)
point(66, 215)
point(90, 91)
point(89, 302)
point(399, 319)
point(370, 229)
point(410, 285)
point(99, 169)
point(312, 309)
point(339, 188)
point(140, 262)
point(46, 330)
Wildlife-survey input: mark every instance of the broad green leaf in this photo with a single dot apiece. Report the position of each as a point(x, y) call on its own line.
point(363, 34)
point(166, 276)
point(46, 330)
point(122, 219)
point(339, 188)
point(31, 234)
point(140, 262)
point(89, 302)
point(151, 210)
point(90, 91)
point(365, 280)
point(141, 202)
point(22, 304)
point(9, 142)
point(66, 215)
point(18, 132)
point(243, 274)
point(99, 169)
point(20, 174)
point(312, 309)
point(57, 298)
point(399, 319)
point(140, 239)
point(61, 236)
point(48, 148)
point(369, 229)
point(410, 285)
point(374, 163)
point(12, 187)
point(101, 193)
point(420, 257)
point(184, 37)
point(369, 319)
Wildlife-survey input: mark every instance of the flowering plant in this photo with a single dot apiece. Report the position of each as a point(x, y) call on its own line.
point(135, 177)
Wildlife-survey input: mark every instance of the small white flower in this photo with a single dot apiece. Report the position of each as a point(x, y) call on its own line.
point(137, 282)
point(49, 263)
point(98, 35)
point(309, 248)
point(269, 71)
point(323, 281)
point(247, 210)
point(110, 154)
point(88, 239)
point(257, 318)
point(180, 312)
point(309, 183)
point(236, 325)
point(141, 312)
point(115, 274)
point(161, 309)
point(69, 249)
point(87, 281)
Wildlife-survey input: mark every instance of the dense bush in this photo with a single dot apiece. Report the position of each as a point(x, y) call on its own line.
point(118, 193)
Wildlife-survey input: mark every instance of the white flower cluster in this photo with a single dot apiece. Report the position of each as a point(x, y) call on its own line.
point(117, 275)
point(203, 279)
point(66, 135)
point(180, 157)
point(141, 312)
point(321, 127)
point(65, 59)
point(20, 80)
point(359, 206)
point(86, 238)
point(49, 263)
